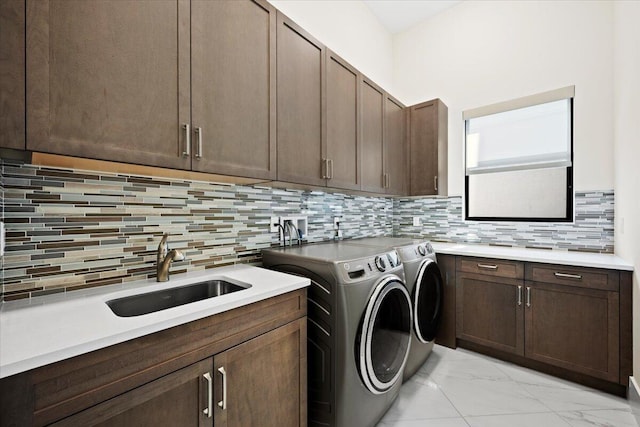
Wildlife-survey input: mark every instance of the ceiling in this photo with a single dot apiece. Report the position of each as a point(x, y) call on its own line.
point(398, 15)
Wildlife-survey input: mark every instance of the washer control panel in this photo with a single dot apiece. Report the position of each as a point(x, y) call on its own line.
point(369, 267)
point(418, 251)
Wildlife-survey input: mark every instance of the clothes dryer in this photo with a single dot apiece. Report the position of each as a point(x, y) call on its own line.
point(358, 329)
point(425, 285)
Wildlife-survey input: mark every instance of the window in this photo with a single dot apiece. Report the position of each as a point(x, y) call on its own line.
point(518, 159)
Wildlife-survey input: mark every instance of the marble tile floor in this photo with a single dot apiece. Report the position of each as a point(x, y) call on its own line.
point(460, 388)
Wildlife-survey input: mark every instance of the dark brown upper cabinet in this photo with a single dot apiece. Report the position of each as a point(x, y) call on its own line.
point(342, 163)
point(396, 175)
point(12, 60)
point(119, 81)
point(372, 125)
point(233, 81)
point(428, 144)
point(109, 80)
point(301, 105)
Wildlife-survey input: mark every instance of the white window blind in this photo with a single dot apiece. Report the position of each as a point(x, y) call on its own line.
point(527, 138)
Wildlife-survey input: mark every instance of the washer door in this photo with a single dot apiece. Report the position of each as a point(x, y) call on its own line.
point(427, 301)
point(385, 335)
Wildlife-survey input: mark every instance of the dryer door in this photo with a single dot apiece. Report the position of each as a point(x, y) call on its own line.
point(385, 334)
point(427, 301)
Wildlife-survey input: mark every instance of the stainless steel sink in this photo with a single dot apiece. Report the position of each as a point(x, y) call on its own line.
point(137, 305)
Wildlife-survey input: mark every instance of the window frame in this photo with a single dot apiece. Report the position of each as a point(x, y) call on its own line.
point(565, 93)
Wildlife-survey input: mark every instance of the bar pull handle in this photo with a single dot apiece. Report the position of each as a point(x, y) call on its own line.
point(528, 296)
point(223, 402)
point(388, 180)
point(187, 140)
point(330, 168)
point(519, 295)
point(198, 131)
point(208, 411)
point(488, 267)
point(435, 183)
point(567, 276)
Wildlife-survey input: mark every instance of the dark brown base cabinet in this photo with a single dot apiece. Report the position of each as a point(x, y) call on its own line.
point(239, 368)
point(571, 319)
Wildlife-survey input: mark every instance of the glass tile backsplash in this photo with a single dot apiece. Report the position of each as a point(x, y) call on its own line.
point(72, 229)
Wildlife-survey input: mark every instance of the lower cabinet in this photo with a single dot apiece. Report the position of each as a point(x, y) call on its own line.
point(242, 367)
point(258, 383)
point(571, 318)
point(254, 383)
point(489, 312)
point(177, 399)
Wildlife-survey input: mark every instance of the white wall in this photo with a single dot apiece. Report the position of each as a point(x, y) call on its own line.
point(482, 52)
point(627, 149)
point(351, 30)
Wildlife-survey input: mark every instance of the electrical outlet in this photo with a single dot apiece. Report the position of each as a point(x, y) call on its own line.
point(336, 222)
point(273, 225)
point(416, 221)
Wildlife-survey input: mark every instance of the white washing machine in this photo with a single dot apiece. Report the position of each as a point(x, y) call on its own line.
point(358, 329)
point(425, 285)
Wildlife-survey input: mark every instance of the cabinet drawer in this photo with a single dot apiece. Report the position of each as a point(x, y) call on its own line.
point(491, 267)
point(592, 278)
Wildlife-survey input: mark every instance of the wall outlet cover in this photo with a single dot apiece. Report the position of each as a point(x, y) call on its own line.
point(416, 221)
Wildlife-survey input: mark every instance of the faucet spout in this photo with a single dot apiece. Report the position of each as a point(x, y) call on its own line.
point(165, 257)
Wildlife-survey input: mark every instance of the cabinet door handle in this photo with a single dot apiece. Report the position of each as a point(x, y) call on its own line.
point(187, 140)
point(208, 411)
point(223, 402)
point(528, 296)
point(488, 267)
point(330, 168)
point(388, 180)
point(325, 169)
point(198, 131)
point(435, 183)
point(519, 295)
point(567, 276)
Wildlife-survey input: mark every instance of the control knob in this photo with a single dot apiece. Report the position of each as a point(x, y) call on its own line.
point(421, 250)
point(380, 264)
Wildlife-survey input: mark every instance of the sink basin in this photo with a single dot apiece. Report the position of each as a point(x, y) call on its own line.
point(137, 305)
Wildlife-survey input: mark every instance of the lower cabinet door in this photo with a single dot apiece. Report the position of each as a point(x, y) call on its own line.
point(490, 311)
point(573, 328)
point(262, 382)
point(177, 399)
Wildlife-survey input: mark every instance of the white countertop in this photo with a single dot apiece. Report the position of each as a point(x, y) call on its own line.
point(48, 329)
point(580, 259)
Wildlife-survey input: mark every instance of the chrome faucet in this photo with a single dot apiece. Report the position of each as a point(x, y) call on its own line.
point(165, 257)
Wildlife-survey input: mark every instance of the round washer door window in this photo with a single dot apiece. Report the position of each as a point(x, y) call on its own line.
point(427, 301)
point(385, 335)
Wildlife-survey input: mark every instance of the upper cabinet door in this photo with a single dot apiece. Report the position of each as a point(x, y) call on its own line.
point(428, 148)
point(301, 106)
point(233, 48)
point(12, 126)
point(109, 80)
point(396, 147)
point(343, 133)
point(372, 137)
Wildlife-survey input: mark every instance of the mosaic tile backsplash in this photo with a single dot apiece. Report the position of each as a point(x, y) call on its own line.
point(441, 220)
point(71, 229)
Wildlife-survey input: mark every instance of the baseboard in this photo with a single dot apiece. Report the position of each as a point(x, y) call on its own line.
point(634, 398)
